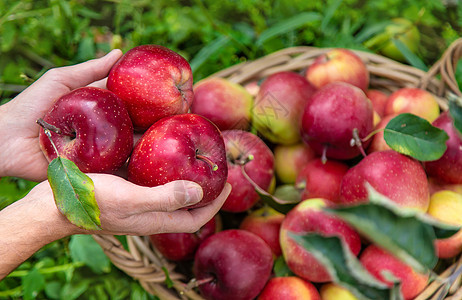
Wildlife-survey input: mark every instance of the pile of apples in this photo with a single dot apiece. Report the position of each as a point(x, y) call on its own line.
point(316, 130)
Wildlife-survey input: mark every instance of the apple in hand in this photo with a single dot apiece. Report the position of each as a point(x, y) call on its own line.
point(338, 65)
point(331, 116)
point(182, 246)
point(447, 168)
point(154, 82)
point(446, 206)
point(94, 130)
point(232, 264)
point(278, 106)
point(415, 101)
point(308, 217)
point(394, 175)
point(322, 179)
point(181, 147)
point(376, 261)
point(246, 149)
point(266, 223)
point(227, 104)
point(290, 159)
point(290, 287)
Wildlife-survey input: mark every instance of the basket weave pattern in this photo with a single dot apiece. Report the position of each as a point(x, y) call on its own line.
point(146, 264)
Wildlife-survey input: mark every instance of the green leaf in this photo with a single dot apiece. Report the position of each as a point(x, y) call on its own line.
point(405, 233)
point(33, 283)
point(74, 194)
point(280, 268)
point(287, 25)
point(413, 59)
point(344, 268)
point(455, 110)
point(83, 248)
point(73, 291)
point(168, 280)
point(414, 136)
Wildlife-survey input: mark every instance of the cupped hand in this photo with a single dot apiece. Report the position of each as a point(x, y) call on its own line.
point(21, 155)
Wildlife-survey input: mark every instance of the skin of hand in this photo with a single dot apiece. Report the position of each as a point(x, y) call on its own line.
point(126, 208)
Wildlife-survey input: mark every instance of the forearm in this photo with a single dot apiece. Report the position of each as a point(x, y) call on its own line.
point(26, 226)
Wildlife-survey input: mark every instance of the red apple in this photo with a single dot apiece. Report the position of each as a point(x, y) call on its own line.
point(331, 116)
point(278, 106)
point(290, 159)
point(96, 132)
point(396, 176)
point(448, 168)
point(308, 217)
point(266, 223)
point(378, 99)
point(181, 147)
point(376, 261)
point(322, 179)
point(234, 264)
point(290, 287)
point(227, 104)
point(415, 101)
point(154, 82)
point(338, 65)
point(240, 146)
point(182, 246)
point(446, 206)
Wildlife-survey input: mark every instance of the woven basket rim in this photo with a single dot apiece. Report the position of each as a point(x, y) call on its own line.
point(144, 263)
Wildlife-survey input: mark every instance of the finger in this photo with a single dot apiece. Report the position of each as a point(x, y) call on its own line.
point(100, 83)
point(192, 220)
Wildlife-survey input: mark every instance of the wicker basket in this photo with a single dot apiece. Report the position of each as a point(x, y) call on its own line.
point(146, 264)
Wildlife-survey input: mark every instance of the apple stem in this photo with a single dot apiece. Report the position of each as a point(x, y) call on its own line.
point(370, 135)
point(194, 283)
point(50, 127)
point(48, 134)
point(324, 155)
point(208, 161)
point(356, 141)
point(245, 160)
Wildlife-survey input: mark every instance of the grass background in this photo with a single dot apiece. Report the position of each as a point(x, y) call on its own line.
point(212, 35)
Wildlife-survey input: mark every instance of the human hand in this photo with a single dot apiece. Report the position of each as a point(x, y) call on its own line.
point(20, 153)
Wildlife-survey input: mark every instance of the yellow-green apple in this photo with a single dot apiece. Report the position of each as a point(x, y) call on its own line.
point(182, 246)
point(154, 82)
point(378, 142)
point(415, 101)
point(227, 104)
point(333, 291)
point(446, 206)
point(399, 177)
point(232, 264)
point(377, 261)
point(245, 149)
point(447, 168)
point(290, 159)
point(266, 223)
point(322, 179)
point(378, 99)
point(181, 147)
point(401, 29)
point(290, 287)
point(332, 115)
point(278, 106)
point(338, 65)
point(91, 127)
point(308, 217)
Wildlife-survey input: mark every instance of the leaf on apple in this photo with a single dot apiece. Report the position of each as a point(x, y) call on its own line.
point(74, 194)
point(414, 136)
point(406, 233)
point(280, 268)
point(344, 267)
point(455, 110)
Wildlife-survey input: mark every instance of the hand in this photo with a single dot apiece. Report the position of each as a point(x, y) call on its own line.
point(20, 153)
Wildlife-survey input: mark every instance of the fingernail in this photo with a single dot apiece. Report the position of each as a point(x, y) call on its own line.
point(193, 194)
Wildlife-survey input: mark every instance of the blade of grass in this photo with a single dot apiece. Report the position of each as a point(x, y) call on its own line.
point(287, 25)
point(211, 48)
point(329, 14)
point(410, 57)
point(369, 31)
